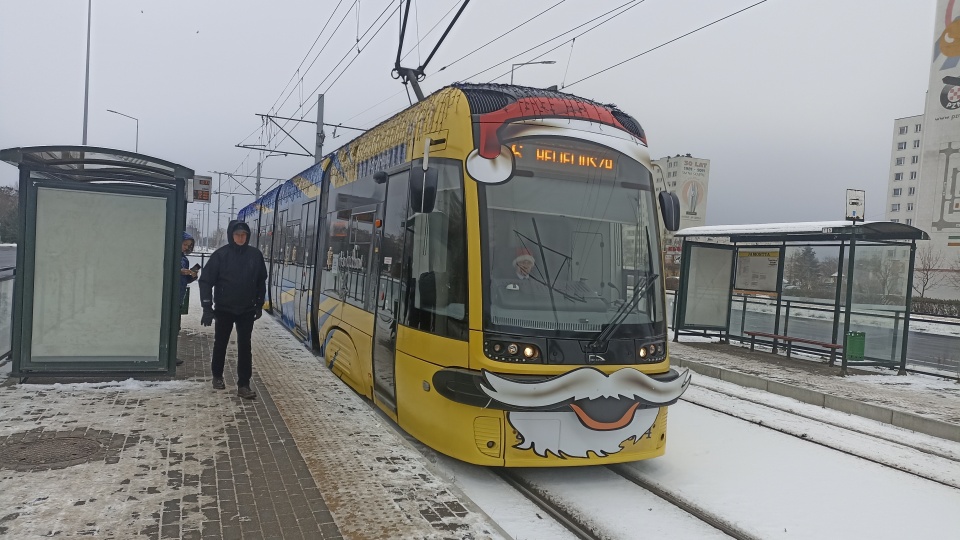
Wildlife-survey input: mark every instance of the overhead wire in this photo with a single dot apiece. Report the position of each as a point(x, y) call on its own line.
point(622, 8)
point(502, 35)
point(617, 11)
point(297, 71)
point(413, 48)
point(666, 43)
point(317, 56)
point(341, 62)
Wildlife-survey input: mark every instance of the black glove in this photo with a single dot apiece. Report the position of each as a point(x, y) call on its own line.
point(258, 314)
point(207, 318)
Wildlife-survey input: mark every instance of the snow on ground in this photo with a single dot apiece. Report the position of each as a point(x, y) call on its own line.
point(788, 482)
point(143, 425)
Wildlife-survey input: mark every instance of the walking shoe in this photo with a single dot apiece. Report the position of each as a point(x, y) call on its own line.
point(179, 362)
point(246, 393)
point(218, 384)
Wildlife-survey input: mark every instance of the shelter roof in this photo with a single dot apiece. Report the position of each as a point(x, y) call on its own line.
point(91, 163)
point(809, 231)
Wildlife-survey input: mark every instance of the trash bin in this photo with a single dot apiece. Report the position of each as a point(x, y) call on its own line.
point(855, 345)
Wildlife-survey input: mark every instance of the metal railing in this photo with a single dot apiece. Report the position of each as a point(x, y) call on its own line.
point(7, 276)
point(933, 343)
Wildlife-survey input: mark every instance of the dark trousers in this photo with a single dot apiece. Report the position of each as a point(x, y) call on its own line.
point(223, 326)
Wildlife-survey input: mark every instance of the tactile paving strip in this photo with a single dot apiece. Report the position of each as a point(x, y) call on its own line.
point(374, 483)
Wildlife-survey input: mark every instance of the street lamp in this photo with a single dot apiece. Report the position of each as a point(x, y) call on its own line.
point(86, 82)
point(514, 66)
point(136, 147)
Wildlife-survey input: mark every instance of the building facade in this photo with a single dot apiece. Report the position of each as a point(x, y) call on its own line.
point(689, 178)
point(904, 179)
point(923, 189)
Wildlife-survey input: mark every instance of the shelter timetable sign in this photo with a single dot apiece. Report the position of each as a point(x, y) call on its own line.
point(757, 270)
point(201, 188)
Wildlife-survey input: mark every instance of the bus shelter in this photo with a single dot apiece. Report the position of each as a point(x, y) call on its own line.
point(824, 287)
point(97, 288)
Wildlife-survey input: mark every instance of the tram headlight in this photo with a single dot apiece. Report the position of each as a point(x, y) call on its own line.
point(651, 352)
point(505, 351)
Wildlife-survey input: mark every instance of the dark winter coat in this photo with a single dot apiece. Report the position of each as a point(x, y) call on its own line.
point(235, 278)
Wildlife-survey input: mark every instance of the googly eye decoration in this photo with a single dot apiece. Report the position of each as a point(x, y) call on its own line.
point(491, 171)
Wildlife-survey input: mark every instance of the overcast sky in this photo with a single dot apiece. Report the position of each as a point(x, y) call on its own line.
point(792, 101)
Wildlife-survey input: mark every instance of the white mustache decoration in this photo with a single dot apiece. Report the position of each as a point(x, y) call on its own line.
point(569, 433)
point(586, 383)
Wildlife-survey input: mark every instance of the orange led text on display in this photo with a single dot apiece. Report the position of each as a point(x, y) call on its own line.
point(563, 157)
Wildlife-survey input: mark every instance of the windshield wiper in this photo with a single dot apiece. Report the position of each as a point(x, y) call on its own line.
point(600, 342)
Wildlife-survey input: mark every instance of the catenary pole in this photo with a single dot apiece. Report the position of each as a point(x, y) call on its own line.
point(86, 84)
point(318, 152)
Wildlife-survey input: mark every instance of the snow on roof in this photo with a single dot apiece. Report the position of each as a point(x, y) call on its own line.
point(808, 230)
point(764, 228)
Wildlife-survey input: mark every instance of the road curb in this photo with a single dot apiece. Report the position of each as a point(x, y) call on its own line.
point(913, 422)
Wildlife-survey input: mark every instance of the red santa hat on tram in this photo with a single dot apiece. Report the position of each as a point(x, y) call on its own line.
point(523, 254)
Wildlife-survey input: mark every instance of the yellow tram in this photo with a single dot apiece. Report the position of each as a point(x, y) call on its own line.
point(485, 266)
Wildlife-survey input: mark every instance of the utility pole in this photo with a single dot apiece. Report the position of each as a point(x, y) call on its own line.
point(207, 241)
point(257, 192)
point(218, 208)
point(86, 84)
point(318, 154)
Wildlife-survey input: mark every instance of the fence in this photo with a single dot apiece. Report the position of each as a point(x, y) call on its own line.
point(7, 276)
point(933, 347)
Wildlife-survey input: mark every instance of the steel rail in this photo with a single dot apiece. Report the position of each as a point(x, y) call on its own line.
point(804, 437)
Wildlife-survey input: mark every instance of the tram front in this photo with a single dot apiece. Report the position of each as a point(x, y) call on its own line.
point(574, 329)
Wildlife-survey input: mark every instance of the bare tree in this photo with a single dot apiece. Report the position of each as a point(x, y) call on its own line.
point(954, 275)
point(9, 211)
point(928, 271)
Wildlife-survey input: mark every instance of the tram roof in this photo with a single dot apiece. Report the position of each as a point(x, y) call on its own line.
point(808, 231)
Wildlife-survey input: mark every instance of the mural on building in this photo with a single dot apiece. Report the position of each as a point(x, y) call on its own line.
point(942, 137)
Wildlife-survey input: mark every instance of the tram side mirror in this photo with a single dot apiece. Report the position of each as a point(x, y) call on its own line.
point(670, 210)
point(423, 189)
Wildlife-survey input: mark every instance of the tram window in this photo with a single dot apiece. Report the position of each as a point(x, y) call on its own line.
point(353, 263)
point(436, 261)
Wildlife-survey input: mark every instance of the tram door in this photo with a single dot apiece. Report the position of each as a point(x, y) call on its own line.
point(390, 258)
point(306, 259)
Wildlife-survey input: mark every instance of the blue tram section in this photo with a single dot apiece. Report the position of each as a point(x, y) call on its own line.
point(284, 221)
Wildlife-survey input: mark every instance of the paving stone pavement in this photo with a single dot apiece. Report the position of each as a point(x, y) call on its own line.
point(177, 459)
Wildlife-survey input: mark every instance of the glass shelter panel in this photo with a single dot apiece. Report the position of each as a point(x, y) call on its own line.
point(808, 303)
point(708, 293)
point(92, 302)
point(879, 299)
point(6, 314)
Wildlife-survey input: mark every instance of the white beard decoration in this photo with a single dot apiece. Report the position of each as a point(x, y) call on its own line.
point(562, 433)
point(575, 433)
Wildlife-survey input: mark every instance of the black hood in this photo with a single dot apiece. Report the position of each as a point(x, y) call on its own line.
point(233, 226)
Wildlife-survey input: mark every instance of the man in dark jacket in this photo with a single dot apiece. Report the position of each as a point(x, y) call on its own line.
point(232, 289)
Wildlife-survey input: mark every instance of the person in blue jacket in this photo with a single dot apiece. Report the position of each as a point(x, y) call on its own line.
point(233, 285)
point(187, 275)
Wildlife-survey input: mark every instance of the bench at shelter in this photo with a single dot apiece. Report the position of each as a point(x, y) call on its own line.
point(833, 347)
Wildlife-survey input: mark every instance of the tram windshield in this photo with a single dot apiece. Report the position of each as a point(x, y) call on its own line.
point(571, 244)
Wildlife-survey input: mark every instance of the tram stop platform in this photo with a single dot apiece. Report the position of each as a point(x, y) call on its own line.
point(308, 458)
